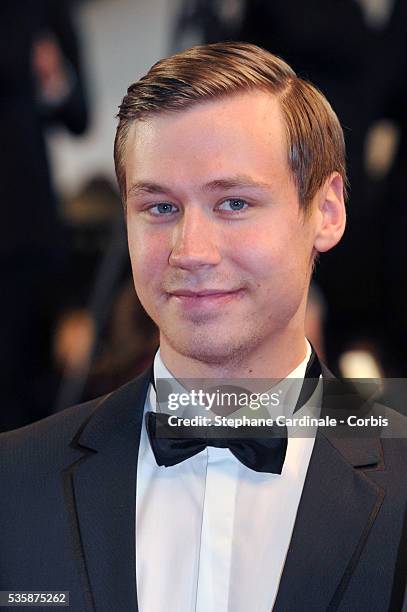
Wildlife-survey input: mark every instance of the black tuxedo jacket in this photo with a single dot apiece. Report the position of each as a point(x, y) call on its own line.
point(67, 514)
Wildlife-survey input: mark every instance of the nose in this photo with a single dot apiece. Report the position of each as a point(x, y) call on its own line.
point(195, 241)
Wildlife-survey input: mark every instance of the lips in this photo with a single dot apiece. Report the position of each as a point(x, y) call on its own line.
point(203, 293)
point(204, 300)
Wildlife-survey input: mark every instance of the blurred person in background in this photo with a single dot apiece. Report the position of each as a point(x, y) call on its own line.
point(126, 347)
point(391, 191)
point(41, 84)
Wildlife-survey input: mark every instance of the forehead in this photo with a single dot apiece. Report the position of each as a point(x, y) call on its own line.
point(243, 133)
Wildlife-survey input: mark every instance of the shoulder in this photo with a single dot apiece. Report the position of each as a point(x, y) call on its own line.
point(53, 441)
point(50, 436)
point(57, 439)
point(373, 436)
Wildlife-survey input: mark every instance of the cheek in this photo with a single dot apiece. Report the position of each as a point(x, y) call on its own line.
point(260, 253)
point(274, 256)
point(148, 257)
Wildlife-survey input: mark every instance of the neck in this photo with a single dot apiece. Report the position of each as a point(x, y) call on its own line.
point(276, 360)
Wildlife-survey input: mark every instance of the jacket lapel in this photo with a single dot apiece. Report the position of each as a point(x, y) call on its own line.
point(100, 494)
point(338, 507)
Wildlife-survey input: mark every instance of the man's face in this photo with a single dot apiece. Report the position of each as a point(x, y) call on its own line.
point(220, 250)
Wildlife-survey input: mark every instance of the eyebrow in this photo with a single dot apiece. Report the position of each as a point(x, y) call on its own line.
point(238, 181)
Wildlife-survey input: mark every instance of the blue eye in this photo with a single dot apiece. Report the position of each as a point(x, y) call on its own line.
point(163, 208)
point(233, 205)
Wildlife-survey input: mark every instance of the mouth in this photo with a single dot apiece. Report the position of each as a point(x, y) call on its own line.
point(202, 293)
point(206, 298)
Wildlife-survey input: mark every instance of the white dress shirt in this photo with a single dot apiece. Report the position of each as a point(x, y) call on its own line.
point(211, 534)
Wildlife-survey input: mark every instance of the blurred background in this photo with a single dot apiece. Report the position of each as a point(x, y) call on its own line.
point(71, 327)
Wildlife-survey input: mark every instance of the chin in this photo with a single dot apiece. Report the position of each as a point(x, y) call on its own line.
point(215, 347)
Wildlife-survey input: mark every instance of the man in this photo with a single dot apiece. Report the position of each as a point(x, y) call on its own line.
point(232, 172)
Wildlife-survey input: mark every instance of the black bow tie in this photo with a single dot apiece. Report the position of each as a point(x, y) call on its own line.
point(262, 454)
point(260, 449)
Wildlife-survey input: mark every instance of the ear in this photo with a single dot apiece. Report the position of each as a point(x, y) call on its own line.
point(331, 214)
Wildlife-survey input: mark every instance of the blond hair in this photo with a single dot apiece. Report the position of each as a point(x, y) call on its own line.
point(315, 141)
